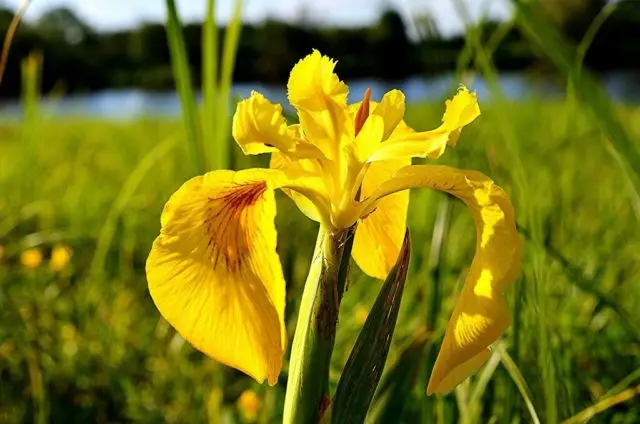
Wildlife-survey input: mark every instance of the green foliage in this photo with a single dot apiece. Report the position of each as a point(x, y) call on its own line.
point(86, 344)
point(184, 88)
point(361, 375)
point(101, 350)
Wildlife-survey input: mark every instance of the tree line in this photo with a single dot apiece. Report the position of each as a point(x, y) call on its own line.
point(79, 58)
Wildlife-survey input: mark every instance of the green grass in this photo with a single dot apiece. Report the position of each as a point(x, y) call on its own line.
point(88, 344)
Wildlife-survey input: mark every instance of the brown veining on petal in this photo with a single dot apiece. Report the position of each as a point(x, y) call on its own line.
point(228, 223)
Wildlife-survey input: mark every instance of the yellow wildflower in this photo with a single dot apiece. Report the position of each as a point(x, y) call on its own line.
point(60, 257)
point(214, 273)
point(249, 405)
point(31, 258)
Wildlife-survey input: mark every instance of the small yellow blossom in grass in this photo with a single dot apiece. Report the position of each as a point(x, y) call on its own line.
point(60, 257)
point(31, 258)
point(249, 405)
point(214, 271)
point(361, 314)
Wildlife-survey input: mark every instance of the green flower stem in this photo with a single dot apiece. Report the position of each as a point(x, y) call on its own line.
point(314, 338)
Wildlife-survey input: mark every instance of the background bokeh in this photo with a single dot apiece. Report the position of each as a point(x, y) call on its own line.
point(92, 144)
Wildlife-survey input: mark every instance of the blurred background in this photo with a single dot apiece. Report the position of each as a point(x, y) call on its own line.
point(107, 107)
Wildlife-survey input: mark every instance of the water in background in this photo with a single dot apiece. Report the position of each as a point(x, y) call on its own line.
point(130, 104)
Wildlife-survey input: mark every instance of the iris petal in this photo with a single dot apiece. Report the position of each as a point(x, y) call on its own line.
point(460, 111)
point(380, 234)
point(259, 127)
point(214, 273)
point(481, 314)
point(391, 108)
point(302, 166)
point(321, 100)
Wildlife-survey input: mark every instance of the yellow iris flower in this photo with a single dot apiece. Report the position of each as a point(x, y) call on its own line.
point(214, 273)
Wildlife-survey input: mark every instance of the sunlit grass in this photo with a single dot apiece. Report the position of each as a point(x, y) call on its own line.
point(99, 346)
point(85, 341)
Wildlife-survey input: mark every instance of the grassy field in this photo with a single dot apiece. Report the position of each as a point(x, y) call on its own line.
point(85, 343)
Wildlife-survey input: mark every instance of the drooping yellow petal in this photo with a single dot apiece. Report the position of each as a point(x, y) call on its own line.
point(321, 100)
point(214, 273)
point(379, 236)
point(460, 111)
point(259, 127)
point(481, 314)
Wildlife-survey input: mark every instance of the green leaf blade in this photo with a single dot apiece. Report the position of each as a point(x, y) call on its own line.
point(210, 79)
point(362, 373)
point(182, 75)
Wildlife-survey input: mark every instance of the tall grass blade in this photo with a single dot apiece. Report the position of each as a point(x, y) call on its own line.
point(231, 39)
point(182, 76)
point(366, 362)
point(634, 375)
point(210, 83)
point(520, 382)
point(578, 279)
point(31, 72)
point(11, 32)
point(484, 63)
point(436, 254)
point(128, 190)
point(591, 32)
point(589, 92)
point(31, 78)
point(603, 405)
point(482, 381)
point(396, 389)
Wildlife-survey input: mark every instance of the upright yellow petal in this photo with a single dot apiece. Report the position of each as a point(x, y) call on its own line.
point(391, 108)
point(379, 236)
point(321, 100)
point(214, 273)
point(259, 127)
point(313, 83)
point(460, 111)
point(481, 314)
